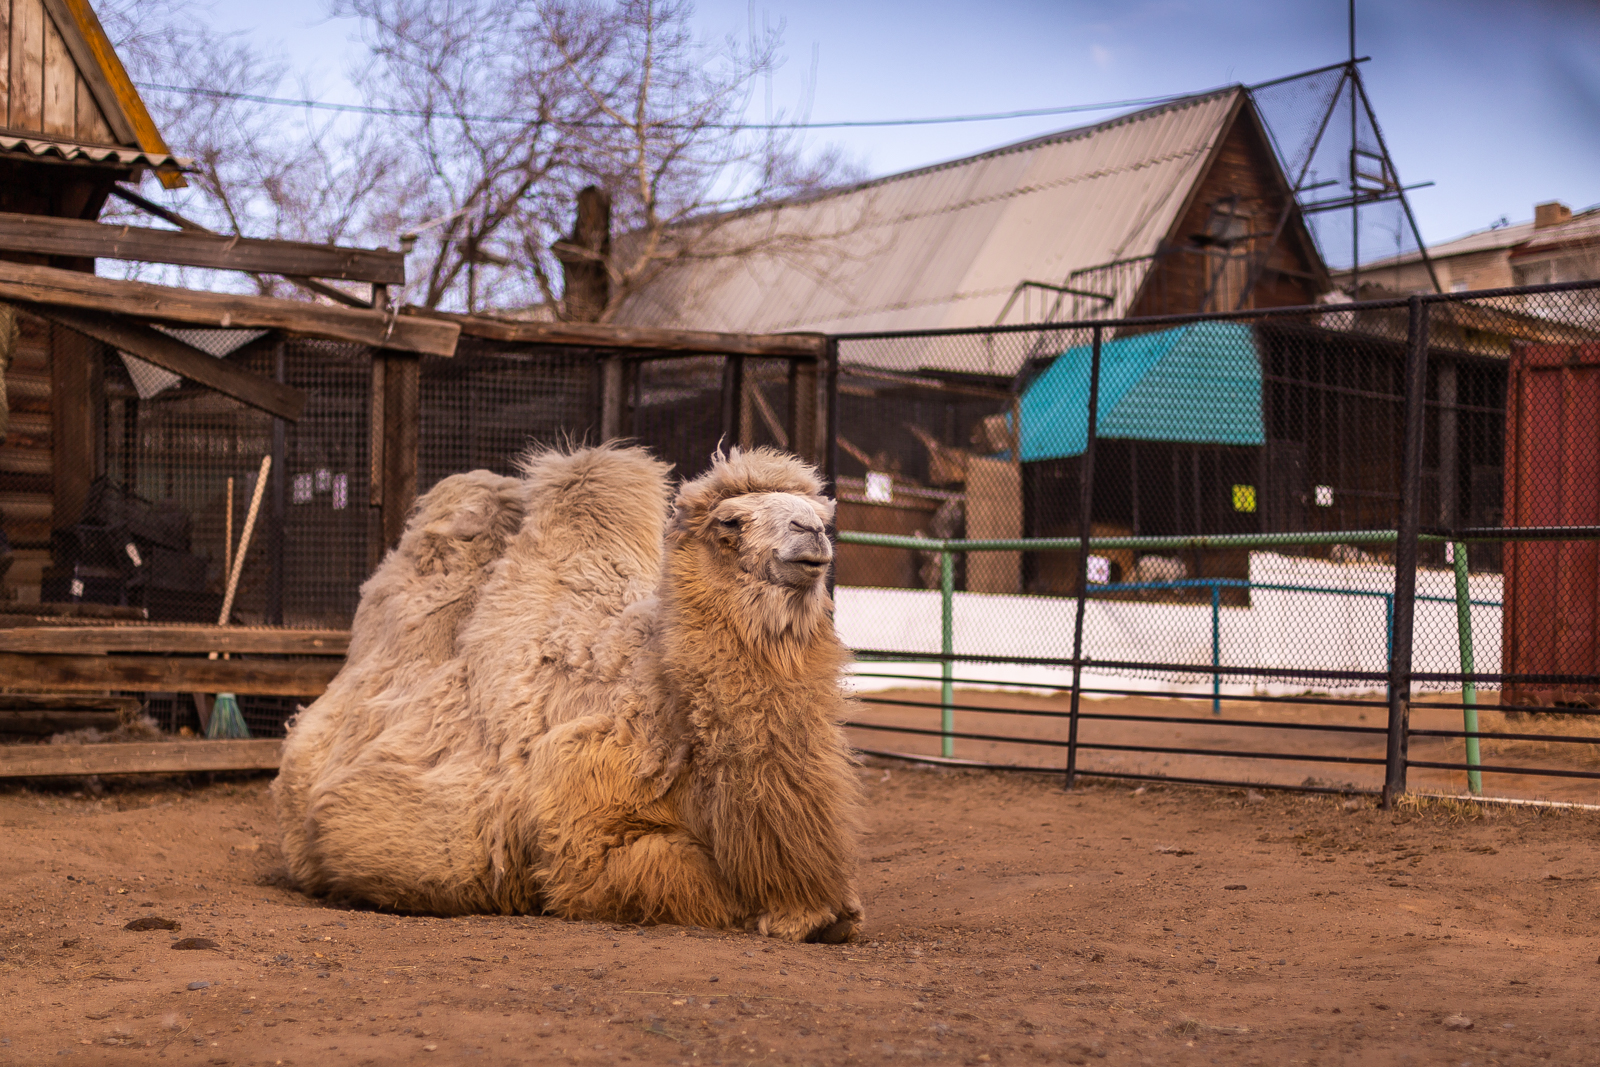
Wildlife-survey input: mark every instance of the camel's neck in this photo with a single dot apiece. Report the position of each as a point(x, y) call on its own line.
point(749, 659)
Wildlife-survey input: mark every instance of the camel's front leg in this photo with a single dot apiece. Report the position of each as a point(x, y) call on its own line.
point(610, 849)
point(659, 876)
point(829, 927)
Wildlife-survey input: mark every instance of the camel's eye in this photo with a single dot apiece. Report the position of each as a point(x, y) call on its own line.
point(730, 524)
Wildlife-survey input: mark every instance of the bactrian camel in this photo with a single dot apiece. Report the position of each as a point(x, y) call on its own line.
point(565, 696)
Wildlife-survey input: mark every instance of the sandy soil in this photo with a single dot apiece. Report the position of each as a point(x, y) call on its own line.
point(1338, 758)
point(1008, 922)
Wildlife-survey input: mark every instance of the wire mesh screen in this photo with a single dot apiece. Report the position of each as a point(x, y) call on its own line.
point(488, 404)
point(685, 407)
point(1249, 486)
point(172, 449)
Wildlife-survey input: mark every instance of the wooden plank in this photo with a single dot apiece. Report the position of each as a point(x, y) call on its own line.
point(700, 342)
point(401, 381)
point(12, 703)
point(89, 121)
point(82, 237)
point(152, 757)
point(60, 82)
point(74, 391)
point(85, 614)
point(143, 674)
point(44, 723)
point(74, 289)
point(27, 65)
point(171, 354)
point(198, 639)
point(5, 60)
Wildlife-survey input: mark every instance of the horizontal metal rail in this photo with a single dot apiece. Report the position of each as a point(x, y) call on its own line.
point(1121, 776)
point(1162, 750)
point(1180, 720)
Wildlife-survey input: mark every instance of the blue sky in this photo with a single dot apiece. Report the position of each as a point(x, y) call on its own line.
point(1498, 103)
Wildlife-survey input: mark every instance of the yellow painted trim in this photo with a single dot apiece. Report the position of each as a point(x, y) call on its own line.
point(144, 127)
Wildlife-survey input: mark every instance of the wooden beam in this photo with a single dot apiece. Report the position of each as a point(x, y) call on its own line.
point(65, 288)
point(596, 335)
point(43, 723)
point(170, 638)
point(125, 707)
point(143, 757)
point(401, 383)
point(74, 411)
point(169, 353)
point(189, 248)
point(143, 674)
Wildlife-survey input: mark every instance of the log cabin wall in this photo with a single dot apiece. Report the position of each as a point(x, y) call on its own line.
point(52, 450)
point(25, 459)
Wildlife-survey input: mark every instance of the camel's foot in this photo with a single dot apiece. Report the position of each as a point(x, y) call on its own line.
point(826, 927)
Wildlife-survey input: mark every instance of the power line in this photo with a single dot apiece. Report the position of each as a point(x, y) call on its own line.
point(399, 112)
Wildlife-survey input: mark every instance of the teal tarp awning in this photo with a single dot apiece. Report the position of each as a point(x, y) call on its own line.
point(1197, 384)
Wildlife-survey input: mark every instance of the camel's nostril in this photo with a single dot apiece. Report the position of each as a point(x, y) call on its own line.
point(805, 527)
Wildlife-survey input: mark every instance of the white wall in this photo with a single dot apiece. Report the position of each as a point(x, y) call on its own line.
point(1279, 629)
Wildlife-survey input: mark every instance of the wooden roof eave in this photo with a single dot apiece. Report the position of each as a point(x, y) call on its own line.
point(52, 287)
point(808, 346)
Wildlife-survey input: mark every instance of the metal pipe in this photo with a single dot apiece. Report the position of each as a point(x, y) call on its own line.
point(1469, 688)
point(947, 645)
point(1279, 540)
point(1149, 544)
point(1085, 533)
point(1216, 648)
point(1405, 556)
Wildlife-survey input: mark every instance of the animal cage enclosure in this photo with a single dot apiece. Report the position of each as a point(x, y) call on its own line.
point(1306, 505)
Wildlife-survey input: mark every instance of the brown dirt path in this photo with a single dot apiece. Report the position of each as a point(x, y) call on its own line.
point(1008, 922)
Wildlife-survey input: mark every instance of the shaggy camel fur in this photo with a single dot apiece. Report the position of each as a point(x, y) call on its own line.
point(611, 734)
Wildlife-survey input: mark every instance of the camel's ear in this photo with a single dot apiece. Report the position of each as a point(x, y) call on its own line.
point(682, 524)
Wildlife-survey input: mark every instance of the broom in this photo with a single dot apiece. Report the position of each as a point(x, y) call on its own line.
point(226, 720)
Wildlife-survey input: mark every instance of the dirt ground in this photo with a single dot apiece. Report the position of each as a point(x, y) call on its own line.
point(1007, 922)
point(1329, 757)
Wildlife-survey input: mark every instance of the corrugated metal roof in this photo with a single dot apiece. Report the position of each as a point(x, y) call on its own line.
point(93, 153)
point(946, 245)
point(1198, 384)
point(1522, 237)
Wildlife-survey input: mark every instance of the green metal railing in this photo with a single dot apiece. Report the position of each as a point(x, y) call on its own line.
point(948, 548)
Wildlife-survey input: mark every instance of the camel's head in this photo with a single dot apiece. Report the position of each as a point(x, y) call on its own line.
point(763, 513)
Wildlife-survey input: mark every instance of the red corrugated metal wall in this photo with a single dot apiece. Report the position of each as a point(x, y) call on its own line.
point(1552, 478)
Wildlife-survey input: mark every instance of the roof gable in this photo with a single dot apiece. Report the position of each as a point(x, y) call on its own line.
point(61, 81)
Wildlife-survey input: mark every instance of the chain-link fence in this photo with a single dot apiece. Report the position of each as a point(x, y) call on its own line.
point(1361, 537)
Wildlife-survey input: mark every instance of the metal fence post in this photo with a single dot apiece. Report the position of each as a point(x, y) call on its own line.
point(1216, 648)
point(830, 447)
point(1405, 555)
point(1085, 531)
point(947, 645)
point(1469, 688)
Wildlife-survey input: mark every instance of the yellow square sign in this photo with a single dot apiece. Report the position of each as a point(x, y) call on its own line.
point(1244, 498)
